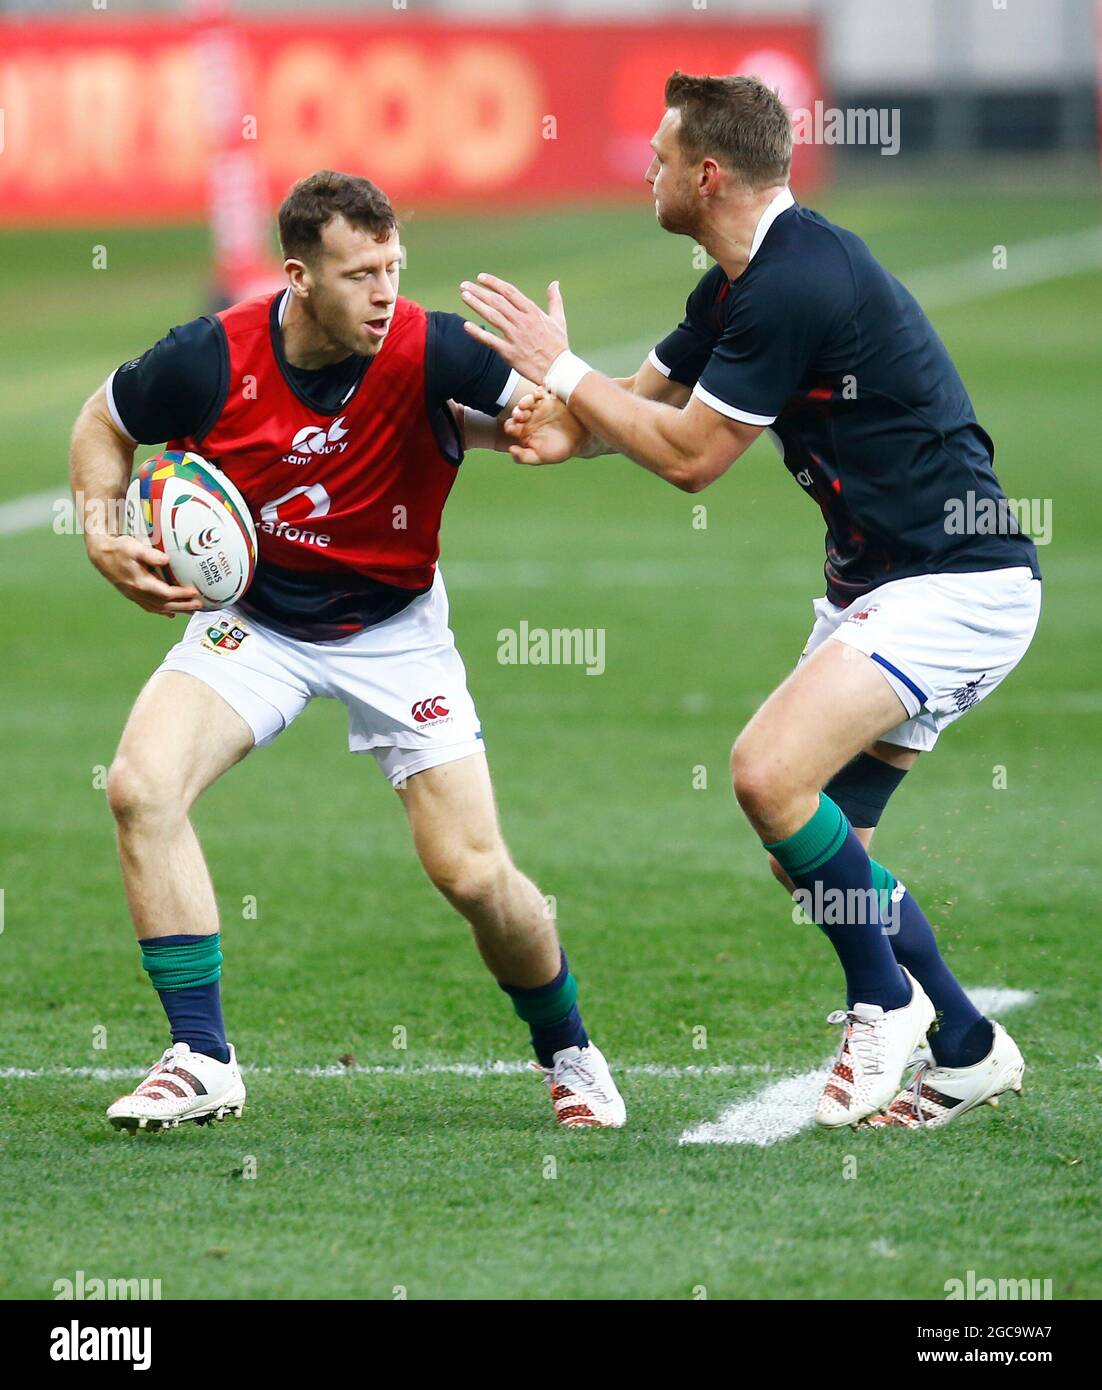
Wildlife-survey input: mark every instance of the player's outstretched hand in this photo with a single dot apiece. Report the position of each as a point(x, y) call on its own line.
point(530, 339)
point(544, 430)
point(132, 565)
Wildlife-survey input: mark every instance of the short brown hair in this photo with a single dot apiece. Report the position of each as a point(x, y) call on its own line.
point(737, 120)
point(316, 200)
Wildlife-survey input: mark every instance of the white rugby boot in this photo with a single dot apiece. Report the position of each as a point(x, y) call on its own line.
point(875, 1048)
point(937, 1095)
point(184, 1085)
point(582, 1089)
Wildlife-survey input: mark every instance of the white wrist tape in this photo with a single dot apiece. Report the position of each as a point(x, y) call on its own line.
point(564, 374)
point(479, 431)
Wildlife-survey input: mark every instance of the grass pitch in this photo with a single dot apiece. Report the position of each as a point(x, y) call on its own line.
point(449, 1185)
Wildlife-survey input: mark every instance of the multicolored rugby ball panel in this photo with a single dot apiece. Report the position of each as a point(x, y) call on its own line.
point(186, 507)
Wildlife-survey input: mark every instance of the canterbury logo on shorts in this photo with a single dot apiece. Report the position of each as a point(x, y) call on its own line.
point(425, 711)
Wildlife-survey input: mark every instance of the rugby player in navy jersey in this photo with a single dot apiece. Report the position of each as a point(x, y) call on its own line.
point(799, 331)
point(330, 405)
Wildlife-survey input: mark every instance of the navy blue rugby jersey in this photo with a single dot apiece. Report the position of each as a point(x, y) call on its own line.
point(818, 342)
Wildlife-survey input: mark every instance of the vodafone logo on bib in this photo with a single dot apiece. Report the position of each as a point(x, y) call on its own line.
point(312, 442)
point(285, 516)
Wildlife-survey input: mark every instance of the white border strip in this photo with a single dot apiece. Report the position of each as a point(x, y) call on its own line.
point(731, 411)
point(657, 363)
point(109, 388)
point(512, 381)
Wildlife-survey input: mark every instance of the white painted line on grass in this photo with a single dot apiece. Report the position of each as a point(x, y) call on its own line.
point(994, 1000)
point(786, 1107)
point(1028, 263)
point(28, 513)
point(476, 1069)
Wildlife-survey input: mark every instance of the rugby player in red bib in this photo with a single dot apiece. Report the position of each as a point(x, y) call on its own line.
point(341, 412)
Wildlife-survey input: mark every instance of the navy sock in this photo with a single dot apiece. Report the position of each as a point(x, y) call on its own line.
point(963, 1036)
point(551, 1012)
point(829, 863)
point(194, 1010)
point(195, 1017)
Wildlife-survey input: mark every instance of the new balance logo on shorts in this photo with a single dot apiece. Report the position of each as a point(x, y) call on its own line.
point(427, 711)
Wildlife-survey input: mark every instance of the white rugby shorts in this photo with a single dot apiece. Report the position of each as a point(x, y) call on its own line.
point(942, 641)
point(403, 681)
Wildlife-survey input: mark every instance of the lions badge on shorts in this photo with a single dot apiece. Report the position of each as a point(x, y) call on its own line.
point(225, 637)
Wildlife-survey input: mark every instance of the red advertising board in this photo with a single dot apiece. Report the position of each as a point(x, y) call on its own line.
point(109, 119)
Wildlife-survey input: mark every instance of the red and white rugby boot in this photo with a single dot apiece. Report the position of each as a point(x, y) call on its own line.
point(582, 1089)
point(937, 1095)
point(875, 1048)
point(182, 1086)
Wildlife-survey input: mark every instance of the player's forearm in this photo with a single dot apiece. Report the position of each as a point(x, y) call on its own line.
point(646, 431)
point(594, 446)
point(637, 384)
point(647, 384)
point(100, 464)
point(480, 431)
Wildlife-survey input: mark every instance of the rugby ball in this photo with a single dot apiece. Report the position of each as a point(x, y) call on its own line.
point(186, 507)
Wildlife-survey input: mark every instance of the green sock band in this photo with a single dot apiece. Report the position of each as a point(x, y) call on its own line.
point(884, 882)
point(540, 1010)
point(183, 965)
point(813, 844)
